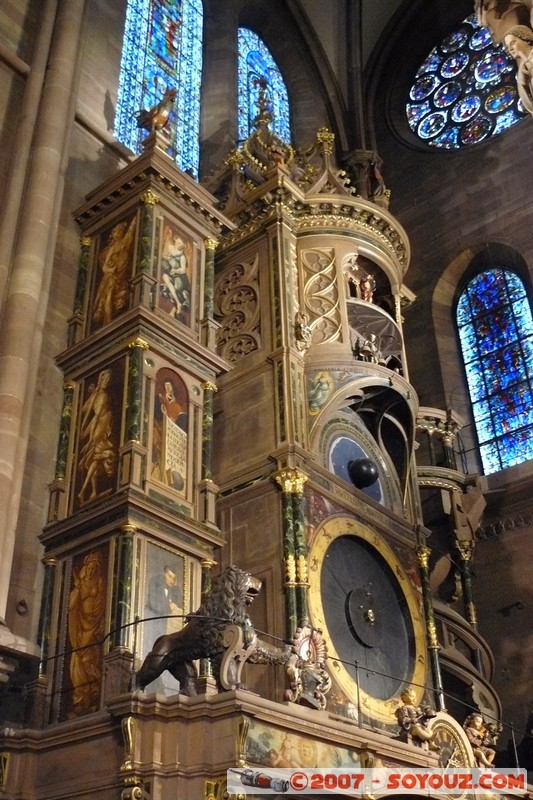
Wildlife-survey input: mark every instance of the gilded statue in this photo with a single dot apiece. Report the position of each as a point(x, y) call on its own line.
point(414, 720)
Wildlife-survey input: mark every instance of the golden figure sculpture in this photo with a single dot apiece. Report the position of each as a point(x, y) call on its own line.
point(113, 290)
point(414, 720)
point(98, 453)
point(85, 629)
point(480, 737)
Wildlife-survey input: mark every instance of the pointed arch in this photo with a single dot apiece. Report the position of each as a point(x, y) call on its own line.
point(256, 63)
point(162, 48)
point(495, 328)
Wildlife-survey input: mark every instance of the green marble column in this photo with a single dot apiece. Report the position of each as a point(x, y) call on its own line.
point(423, 553)
point(45, 618)
point(296, 585)
point(123, 576)
point(146, 262)
point(64, 432)
point(207, 573)
point(135, 385)
point(207, 429)
point(83, 266)
point(466, 550)
point(209, 280)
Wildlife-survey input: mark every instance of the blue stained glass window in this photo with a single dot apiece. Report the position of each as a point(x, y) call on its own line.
point(465, 91)
point(496, 333)
point(162, 48)
point(255, 64)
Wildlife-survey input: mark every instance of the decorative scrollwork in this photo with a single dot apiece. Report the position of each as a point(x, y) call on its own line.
point(237, 308)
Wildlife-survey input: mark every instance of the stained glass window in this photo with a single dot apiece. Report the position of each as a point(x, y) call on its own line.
point(256, 64)
point(465, 91)
point(162, 49)
point(496, 334)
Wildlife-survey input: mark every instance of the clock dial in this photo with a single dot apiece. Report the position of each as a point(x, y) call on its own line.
point(362, 599)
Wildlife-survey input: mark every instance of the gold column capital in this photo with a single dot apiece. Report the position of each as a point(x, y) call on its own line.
point(291, 479)
point(128, 529)
point(211, 244)
point(209, 386)
point(326, 138)
point(423, 553)
point(149, 198)
point(207, 563)
point(49, 561)
point(138, 342)
point(466, 549)
point(86, 241)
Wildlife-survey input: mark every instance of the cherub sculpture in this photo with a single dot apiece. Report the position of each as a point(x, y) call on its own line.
point(414, 720)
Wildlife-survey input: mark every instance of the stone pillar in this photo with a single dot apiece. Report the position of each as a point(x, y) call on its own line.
point(75, 323)
point(133, 454)
point(27, 294)
point(58, 489)
point(291, 482)
point(206, 681)
point(123, 577)
point(209, 326)
point(45, 619)
point(207, 489)
point(145, 279)
point(466, 550)
point(422, 554)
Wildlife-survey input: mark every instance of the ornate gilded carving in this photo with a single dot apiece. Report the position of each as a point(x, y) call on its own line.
point(423, 553)
point(301, 569)
point(306, 670)
point(291, 480)
point(209, 386)
point(237, 309)
point(149, 198)
point(216, 789)
point(290, 569)
point(466, 549)
point(211, 244)
point(128, 727)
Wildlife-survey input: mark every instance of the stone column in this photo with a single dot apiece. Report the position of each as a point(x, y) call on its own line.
point(27, 294)
point(75, 323)
point(206, 681)
point(209, 326)
point(422, 554)
point(291, 482)
point(466, 550)
point(45, 619)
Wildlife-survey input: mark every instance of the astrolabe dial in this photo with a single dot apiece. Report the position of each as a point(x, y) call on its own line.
point(455, 750)
point(362, 599)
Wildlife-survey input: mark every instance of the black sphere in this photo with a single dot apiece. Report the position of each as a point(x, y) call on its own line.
point(363, 472)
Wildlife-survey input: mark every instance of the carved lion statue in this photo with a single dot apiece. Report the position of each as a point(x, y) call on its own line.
point(202, 636)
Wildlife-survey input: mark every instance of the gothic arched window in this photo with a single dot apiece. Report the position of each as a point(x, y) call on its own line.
point(465, 91)
point(162, 49)
point(496, 333)
point(256, 64)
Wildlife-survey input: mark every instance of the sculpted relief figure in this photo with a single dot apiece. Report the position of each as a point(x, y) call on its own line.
point(519, 43)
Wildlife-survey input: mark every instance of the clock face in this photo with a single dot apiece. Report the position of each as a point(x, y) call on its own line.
point(366, 606)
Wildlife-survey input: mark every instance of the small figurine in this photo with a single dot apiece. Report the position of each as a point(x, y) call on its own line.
point(302, 331)
point(480, 735)
point(367, 287)
point(414, 719)
point(369, 350)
